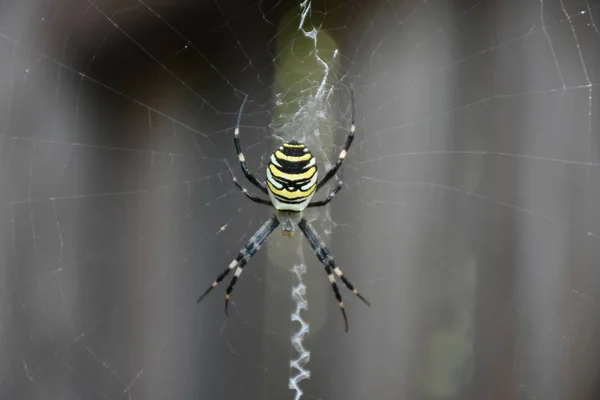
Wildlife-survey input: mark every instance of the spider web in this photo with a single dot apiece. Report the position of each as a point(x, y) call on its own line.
point(469, 215)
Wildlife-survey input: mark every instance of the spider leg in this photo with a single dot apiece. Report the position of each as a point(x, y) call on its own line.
point(327, 260)
point(337, 293)
point(249, 194)
point(249, 249)
point(347, 282)
point(238, 149)
point(331, 172)
point(328, 198)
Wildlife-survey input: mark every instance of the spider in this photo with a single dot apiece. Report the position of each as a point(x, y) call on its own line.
point(291, 183)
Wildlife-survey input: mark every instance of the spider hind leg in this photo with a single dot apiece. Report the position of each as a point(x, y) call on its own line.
point(249, 249)
point(330, 267)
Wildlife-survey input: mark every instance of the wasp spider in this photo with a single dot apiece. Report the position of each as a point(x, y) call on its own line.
point(291, 183)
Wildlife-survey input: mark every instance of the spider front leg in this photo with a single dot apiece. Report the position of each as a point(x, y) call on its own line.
point(245, 254)
point(248, 194)
point(327, 260)
point(328, 198)
point(240, 154)
point(330, 173)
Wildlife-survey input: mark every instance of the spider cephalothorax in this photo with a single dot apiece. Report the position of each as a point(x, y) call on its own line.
point(291, 183)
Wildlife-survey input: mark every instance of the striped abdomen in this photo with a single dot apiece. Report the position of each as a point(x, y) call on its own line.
point(292, 177)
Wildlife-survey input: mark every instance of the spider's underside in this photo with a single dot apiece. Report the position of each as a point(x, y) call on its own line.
point(291, 183)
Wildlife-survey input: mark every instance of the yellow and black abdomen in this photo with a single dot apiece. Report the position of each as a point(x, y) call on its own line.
point(292, 177)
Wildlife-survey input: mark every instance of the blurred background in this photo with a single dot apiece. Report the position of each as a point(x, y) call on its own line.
point(469, 216)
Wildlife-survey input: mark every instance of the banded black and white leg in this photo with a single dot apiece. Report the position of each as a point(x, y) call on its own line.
point(330, 267)
point(249, 194)
point(331, 172)
point(245, 254)
point(242, 160)
point(240, 154)
point(327, 199)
